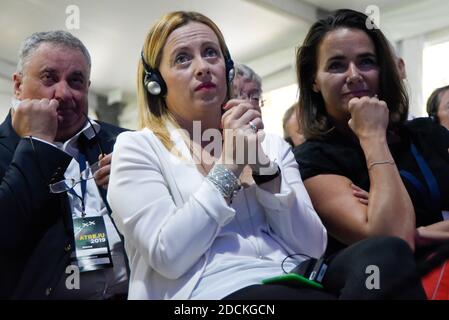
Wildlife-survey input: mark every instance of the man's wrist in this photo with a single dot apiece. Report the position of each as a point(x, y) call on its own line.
point(48, 141)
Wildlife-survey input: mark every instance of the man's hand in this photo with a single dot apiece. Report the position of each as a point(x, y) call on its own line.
point(102, 174)
point(37, 118)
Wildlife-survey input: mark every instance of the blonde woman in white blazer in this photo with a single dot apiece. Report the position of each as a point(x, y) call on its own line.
point(202, 223)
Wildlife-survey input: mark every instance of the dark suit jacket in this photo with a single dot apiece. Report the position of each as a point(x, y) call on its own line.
point(37, 230)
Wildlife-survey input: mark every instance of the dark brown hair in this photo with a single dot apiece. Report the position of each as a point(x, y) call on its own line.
point(315, 121)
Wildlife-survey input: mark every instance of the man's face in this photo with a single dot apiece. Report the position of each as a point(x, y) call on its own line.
point(247, 90)
point(61, 73)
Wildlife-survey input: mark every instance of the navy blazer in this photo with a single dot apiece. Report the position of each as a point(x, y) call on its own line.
point(37, 229)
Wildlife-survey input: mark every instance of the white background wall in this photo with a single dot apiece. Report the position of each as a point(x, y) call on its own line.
point(5, 97)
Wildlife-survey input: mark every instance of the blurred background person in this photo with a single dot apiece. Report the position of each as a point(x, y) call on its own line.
point(438, 106)
point(247, 85)
point(291, 126)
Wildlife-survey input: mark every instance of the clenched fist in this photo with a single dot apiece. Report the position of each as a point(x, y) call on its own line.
point(369, 117)
point(37, 118)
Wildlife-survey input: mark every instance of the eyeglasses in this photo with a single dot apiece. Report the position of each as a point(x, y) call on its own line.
point(253, 97)
point(70, 183)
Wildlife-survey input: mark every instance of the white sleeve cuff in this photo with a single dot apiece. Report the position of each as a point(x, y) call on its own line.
point(214, 204)
point(42, 140)
point(278, 201)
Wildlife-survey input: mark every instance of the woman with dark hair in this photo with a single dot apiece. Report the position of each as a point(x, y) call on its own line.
point(354, 110)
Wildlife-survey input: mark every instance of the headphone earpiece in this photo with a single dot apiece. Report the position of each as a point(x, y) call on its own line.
point(434, 117)
point(153, 81)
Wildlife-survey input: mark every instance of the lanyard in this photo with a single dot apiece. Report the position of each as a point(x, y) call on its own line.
point(83, 184)
point(431, 182)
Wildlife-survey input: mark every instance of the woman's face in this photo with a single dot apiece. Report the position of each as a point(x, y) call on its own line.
point(346, 68)
point(193, 68)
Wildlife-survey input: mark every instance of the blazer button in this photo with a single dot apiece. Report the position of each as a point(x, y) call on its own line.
point(47, 291)
point(67, 248)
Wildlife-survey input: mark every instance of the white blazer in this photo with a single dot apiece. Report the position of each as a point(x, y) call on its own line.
point(170, 214)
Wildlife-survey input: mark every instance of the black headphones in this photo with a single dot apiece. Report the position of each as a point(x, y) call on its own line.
point(155, 84)
point(153, 81)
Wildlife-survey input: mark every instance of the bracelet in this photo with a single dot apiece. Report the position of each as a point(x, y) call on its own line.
point(380, 162)
point(224, 180)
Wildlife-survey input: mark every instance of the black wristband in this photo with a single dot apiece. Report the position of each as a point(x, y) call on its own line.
point(260, 179)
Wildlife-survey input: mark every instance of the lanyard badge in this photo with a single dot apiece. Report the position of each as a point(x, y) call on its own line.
point(91, 240)
point(91, 244)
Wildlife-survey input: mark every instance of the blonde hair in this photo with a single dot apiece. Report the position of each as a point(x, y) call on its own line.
point(153, 112)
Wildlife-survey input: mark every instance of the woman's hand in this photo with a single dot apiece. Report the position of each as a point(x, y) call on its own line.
point(369, 117)
point(241, 142)
point(360, 194)
point(432, 234)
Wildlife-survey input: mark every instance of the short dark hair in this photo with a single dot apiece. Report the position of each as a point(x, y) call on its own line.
point(434, 102)
point(314, 119)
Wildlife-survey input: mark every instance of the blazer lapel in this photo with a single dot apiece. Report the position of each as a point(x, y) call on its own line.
point(8, 137)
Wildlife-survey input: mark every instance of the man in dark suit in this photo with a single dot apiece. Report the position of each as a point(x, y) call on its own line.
point(46, 139)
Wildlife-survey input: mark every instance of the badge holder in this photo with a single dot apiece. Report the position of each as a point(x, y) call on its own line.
point(91, 244)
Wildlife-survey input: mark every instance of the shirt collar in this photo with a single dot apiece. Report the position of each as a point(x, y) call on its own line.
point(70, 146)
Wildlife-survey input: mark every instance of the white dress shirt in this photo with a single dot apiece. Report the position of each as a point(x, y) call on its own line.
point(184, 241)
point(98, 284)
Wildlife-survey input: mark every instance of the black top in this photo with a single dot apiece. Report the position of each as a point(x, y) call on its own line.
point(337, 154)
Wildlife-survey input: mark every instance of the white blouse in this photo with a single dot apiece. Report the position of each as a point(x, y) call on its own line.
point(183, 240)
